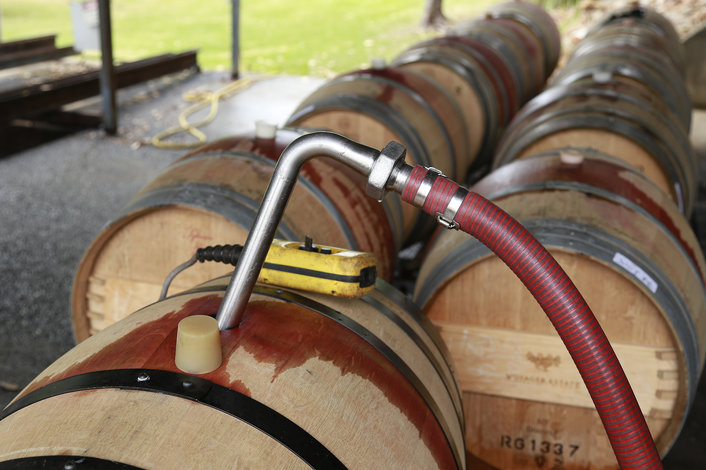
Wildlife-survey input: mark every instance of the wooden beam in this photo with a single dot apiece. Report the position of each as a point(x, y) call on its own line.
point(34, 100)
point(24, 44)
point(30, 56)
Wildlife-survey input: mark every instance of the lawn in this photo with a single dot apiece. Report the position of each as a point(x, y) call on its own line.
point(317, 37)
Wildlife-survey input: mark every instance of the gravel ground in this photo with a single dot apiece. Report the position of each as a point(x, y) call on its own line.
point(53, 201)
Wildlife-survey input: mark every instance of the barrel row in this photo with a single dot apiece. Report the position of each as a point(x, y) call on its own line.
point(448, 98)
point(644, 31)
point(622, 92)
point(638, 45)
point(210, 196)
point(582, 166)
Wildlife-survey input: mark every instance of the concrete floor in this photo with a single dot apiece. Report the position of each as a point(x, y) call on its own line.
point(55, 198)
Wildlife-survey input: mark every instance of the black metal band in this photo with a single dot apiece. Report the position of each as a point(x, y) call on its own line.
point(442, 370)
point(64, 462)
point(319, 194)
point(251, 411)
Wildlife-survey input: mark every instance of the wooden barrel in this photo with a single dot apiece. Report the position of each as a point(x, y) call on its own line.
point(467, 80)
point(307, 381)
point(642, 67)
point(638, 45)
point(211, 197)
point(637, 263)
point(638, 36)
point(535, 19)
point(490, 65)
point(531, 47)
point(510, 47)
point(644, 16)
point(345, 187)
point(617, 121)
point(375, 106)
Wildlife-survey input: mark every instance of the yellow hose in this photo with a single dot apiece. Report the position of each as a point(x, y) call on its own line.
point(201, 100)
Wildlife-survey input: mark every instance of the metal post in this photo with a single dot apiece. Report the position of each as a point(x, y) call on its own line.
point(235, 32)
point(106, 74)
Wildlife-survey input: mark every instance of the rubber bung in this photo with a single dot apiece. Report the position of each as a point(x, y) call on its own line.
point(571, 157)
point(198, 345)
point(265, 130)
point(602, 76)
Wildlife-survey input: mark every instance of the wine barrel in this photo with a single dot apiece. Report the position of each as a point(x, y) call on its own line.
point(636, 36)
point(211, 197)
point(530, 46)
point(374, 220)
point(641, 67)
point(467, 80)
point(650, 18)
point(635, 260)
point(510, 47)
point(490, 66)
point(493, 68)
point(306, 381)
point(535, 19)
point(619, 122)
point(375, 106)
point(637, 45)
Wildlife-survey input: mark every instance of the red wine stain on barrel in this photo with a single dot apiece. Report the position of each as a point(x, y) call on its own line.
point(140, 347)
point(288, 335)
point(278, 333)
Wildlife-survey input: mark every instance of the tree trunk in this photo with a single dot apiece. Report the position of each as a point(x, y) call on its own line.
point(433, 16)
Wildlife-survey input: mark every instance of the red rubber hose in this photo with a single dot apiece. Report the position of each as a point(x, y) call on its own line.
point(564, 305)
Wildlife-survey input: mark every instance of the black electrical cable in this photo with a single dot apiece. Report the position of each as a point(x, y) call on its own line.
point(227, 254)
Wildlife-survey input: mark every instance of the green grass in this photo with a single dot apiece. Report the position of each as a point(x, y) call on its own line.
point(316, 37)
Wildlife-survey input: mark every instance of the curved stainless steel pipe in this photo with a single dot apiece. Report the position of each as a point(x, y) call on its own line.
point(360, 157)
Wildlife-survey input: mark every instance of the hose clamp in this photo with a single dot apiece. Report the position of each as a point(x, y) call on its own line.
point(382, 169)
point(444, 222)
point(447, 217)
point(426, 185)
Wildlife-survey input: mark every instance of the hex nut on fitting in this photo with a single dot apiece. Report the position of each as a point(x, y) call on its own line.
point(382, 169)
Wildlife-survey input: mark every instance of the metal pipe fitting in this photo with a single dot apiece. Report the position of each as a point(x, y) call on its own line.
point(383, 168)
point(362, 158)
